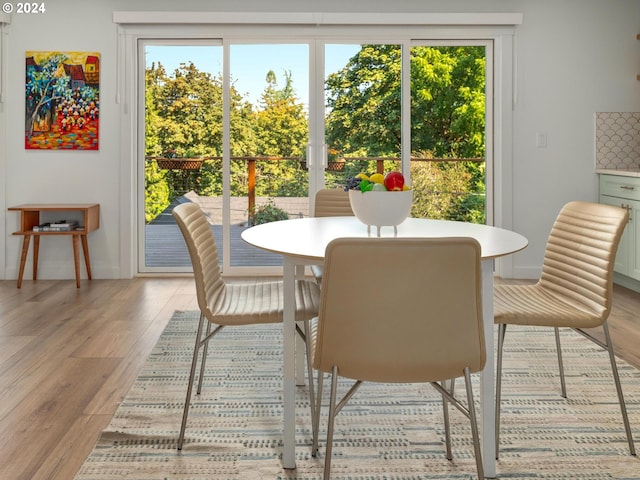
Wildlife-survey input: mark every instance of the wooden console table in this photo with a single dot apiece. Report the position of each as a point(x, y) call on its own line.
point(30, 217)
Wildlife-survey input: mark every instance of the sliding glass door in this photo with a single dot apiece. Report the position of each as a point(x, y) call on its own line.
point(250, 130)
point(230, 136)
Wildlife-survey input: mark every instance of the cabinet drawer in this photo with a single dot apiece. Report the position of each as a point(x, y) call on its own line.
point(620, 186)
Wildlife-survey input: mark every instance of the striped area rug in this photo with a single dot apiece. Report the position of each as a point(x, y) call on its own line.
point(386, 432)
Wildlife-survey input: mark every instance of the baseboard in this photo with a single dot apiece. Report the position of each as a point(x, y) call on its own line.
point(64, 271)
point(627, 282)
point(532, 273)
point(527, 273)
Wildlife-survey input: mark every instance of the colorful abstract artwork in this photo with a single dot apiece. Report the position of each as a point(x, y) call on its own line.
point(62, 101)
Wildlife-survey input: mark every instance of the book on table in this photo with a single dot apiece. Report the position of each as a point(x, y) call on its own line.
point(59, 226)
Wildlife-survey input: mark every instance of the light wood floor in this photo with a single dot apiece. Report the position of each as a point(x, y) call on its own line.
point(68, 356)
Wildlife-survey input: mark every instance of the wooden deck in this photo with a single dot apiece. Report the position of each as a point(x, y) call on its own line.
point(165, 247)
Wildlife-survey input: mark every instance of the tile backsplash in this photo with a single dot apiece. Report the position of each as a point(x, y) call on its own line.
point(618, 140)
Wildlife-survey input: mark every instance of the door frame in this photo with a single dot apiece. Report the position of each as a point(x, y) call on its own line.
point(499, 28)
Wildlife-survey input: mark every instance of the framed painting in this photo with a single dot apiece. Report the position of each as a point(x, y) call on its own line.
point(62, 101)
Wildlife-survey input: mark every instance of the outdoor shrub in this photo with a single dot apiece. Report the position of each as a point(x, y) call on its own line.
point(267, 213)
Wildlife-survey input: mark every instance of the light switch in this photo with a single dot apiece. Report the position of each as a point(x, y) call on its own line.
point(541, 140)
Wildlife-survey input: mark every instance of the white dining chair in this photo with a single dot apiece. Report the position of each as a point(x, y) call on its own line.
point(422, 322)
point(330, 202)
point(574, 291)
point(225, 304)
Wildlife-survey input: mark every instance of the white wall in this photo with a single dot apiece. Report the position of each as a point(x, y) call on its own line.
point(57, 176)
point(573, 58)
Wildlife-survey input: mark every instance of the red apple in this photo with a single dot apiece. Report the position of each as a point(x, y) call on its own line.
point(394, 181)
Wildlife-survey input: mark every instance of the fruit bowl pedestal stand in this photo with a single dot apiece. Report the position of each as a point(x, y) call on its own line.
point(381, 209)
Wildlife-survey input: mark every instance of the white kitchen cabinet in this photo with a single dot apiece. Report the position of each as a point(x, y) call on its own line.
point(624, 191)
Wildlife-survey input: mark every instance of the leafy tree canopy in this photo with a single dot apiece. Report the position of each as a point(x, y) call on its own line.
point(447, 101)
point(184, 115)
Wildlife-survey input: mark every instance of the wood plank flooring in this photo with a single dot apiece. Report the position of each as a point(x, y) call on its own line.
point(68, 356)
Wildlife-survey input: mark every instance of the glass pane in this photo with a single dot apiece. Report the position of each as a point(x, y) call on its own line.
point(448, 132)
point(363, 110)
point(183, 144)
point(269, 134)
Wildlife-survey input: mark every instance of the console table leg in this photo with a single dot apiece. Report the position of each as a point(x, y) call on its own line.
point(36, 256)
point(23, 258)
point(76, 259)
point(85, 249)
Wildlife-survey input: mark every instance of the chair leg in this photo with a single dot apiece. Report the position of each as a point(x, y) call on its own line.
point(194, 363)
point(205, 348)
point(314, 447)
point(469, 411)
point(474, 424)
point(332, 416)
point(447, 426)
point(563, 386)
point(502, 328)
point(616, 377)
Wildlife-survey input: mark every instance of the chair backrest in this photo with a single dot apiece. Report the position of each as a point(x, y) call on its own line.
point(203, 253)
point(332, 202)
point(580, 254)
point(401, 309)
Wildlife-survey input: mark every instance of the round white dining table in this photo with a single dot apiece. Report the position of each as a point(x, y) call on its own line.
point(303, 241)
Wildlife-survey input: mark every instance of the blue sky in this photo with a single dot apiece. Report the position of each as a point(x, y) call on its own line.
point(250, 63)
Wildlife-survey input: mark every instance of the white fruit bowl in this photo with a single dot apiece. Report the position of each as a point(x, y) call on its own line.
point(381, 209)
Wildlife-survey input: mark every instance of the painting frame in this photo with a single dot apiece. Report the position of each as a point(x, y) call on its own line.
point(62, 100)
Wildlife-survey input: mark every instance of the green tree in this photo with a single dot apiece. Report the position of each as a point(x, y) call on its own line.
point(448, 121)
point(364, 103)
point(156, 191)
point(189, 105)
point(447, 118)
point(154, 77)
point(156, 188)
point(184, 119)
point(184, 115)
point(281, 131)
point(281, 122)
point(448, 101)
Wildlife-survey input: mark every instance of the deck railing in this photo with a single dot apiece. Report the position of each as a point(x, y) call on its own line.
point(190, 166)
